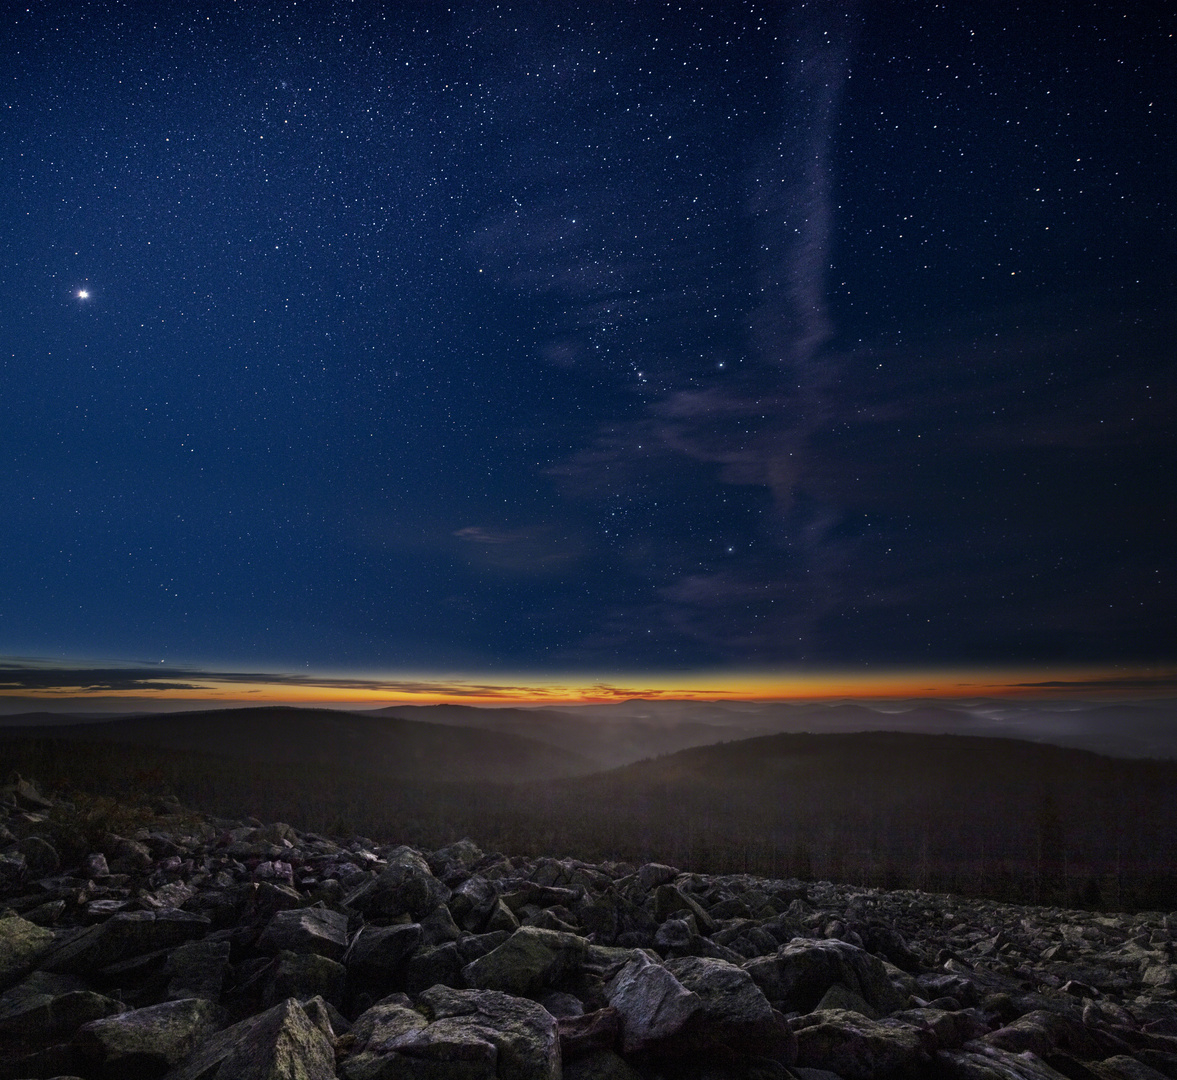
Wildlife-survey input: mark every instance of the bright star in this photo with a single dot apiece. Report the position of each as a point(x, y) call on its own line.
point(83, 294)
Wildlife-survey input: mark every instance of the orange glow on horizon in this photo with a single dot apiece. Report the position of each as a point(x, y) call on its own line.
point(531, 690)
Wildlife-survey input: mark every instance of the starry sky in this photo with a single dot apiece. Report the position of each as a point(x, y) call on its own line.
point(352, 341)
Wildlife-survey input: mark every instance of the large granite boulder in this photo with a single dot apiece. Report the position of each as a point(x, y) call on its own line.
point(48, 1007)
point(281, 1043)
point(735, 1018)
point(377, 953)
point(144, 1043)
point(464, 1034)
point(857, 1048)
point(797, 976)
point(22, 944)
point(531, 958)
point(405, 886)
point(302, 976)
point(307, 930)
point(655, 1008)
point(197, 969)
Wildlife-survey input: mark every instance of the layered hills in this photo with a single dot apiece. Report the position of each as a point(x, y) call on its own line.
point(982, 816)
point(384, 746)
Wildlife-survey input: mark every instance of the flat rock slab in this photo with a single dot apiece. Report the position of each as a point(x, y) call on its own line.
point(126, 934)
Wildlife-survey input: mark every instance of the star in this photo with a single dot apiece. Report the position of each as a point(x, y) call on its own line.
point(83, 294)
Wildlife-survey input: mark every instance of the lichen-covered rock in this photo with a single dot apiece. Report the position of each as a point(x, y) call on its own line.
point(302, 976)
point(405, 886)
point(798, 975)
point(523, 1033)
point(986, 990)
point(307, 930)
point(377, 953)
point(197, 969)
point(992, 1063)
point(281, 1043)
point(22, 943)
point(856, 1048)
point(145, 1043)
point(528, 960)
point(469, 1035)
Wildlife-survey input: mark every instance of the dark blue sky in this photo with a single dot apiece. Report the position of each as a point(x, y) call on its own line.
point(601, 337)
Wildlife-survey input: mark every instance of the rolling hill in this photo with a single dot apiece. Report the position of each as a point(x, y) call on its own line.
point(383, 746)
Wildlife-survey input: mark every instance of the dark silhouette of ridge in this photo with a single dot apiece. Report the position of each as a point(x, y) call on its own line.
point(383, 746)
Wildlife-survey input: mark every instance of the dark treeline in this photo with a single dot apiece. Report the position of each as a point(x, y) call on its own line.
point(1013, 821)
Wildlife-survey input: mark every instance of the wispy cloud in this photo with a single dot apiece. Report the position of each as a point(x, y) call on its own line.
point(540, 549)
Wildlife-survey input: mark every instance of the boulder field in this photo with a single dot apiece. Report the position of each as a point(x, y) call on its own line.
point(199, 948)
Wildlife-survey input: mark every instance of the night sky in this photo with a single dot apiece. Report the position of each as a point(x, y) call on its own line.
point(602, 338)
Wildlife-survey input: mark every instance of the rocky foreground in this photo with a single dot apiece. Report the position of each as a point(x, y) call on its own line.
point(206, 949)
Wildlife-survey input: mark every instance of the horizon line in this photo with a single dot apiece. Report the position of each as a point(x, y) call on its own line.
point(41, 680)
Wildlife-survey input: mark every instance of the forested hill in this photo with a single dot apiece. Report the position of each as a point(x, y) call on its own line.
point(382, 746)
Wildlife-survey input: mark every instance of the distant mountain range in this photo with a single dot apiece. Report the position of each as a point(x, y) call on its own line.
point(462, 742)
point(624, 732)
point(958, 812)
point(383, 746)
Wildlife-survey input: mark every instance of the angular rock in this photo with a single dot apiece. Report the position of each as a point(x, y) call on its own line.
point(430, 967)
point(528, 960)
point(49, 1007)
point(799, 974)
point(523, 1033)
point(377, 953)
point(279, 1044)
point(601, 1065)
point(22, 943)
point(471, 1035)
point(501, 918)
point(669, 900)
point(375, 1032)
point(1041, 1032)
point(735, 1017)
point(26, 793)
point(472, 902)
point(651, 875)
point(583, 1034)
point(438, 927)
point(654, 1006)
point(197, 969)
point(856, 1048)
point(128, 933)
point(41, 858)
point(306, 930)
point(992, 1063)
point(405, 885)
point(302, 976)
point(95, 866)
point(144, 1043)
